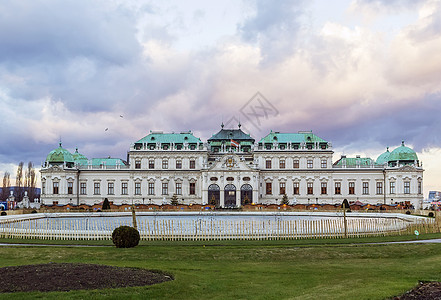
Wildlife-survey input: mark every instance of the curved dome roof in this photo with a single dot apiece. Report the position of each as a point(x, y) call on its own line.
point(384, 157)
point(79, 158)
point(59, 155)
point(403, 153)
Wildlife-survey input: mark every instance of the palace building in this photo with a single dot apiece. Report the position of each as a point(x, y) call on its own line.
point(232, 169)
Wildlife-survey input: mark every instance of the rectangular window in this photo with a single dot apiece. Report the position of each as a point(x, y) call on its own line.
point(407, 187)
point(269, 188)
point(282, 164)
point(83, 188)
point(324, 188)
point(295, 164)
point(124, 188)
point(165, 163)
point(324, 163)
point(151, 164)
point(96, 188)
point(165, 188)
point(379, 188)
point(268, 164)
point(70, 188)
point(151, 188)
point(43, 188)
point(178, 188)
point(282, 186)
point(365, 188)
point(110, 188)
point(137, 164)
point(296, 188)
point(337, 188)
point(351, 188)
point(55, 186)
point(310, 188)
point(419, 187)
point(310, 163)
point(392, 187)
point(137, 188)
point(192, 164)
point(192, 188)
point(179, 164)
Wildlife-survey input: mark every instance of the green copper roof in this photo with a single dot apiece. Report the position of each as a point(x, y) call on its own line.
point(231, 134)
point(59, 155)
point(301, 136)
point(167, 138)
point(354, 161)
point(107, 161)
point(403, 153)
point(79, 158)
point(384, 157)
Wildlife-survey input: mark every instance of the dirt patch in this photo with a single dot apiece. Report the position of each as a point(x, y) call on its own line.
point(423, 291)
point(67, 276)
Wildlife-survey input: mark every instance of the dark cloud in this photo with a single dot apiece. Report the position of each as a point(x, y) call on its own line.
point(45, 31)
point(274, 27)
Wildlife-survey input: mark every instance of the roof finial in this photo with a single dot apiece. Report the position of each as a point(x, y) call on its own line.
point(222, 125)
point(76, 150)
point(239, 125)
point(60, 141)
point(402, 143)
point(387, 149)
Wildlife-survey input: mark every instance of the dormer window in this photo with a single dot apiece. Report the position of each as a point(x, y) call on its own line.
point(152, 138)
point(192, 147)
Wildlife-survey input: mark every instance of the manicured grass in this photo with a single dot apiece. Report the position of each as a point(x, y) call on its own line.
point(374, 239)
point(305, 269)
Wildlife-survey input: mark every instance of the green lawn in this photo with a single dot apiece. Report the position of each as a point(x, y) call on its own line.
point(326, 269)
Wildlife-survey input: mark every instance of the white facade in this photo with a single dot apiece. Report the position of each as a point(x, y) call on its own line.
point(230, 177)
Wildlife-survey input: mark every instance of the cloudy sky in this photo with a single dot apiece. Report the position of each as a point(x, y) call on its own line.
point(363, 74)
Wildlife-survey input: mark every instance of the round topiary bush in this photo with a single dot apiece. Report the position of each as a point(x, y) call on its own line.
point(431, 215)
point(4, 213)
point(408, 212)
point(125, 237)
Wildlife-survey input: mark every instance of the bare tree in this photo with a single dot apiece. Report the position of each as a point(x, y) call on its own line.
point(19, 183)
point(6, 186)
point(30, 181)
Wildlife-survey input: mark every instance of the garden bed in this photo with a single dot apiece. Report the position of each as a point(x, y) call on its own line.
point(75, 276)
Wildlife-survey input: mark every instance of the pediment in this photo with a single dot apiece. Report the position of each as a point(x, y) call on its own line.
point(407, 168)
point(230, 162)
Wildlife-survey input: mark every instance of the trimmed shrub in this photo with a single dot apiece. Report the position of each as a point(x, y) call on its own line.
point(4, 213)
point(33, 212)
point(125, 237)
point(408, 212)
point(431, 215)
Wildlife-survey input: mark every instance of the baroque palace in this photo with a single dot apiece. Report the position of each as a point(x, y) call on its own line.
point(231, 170)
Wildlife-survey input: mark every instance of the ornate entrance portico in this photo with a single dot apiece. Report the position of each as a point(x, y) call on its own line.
point(230, 195)
point(246, 194)
point(214, 195)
